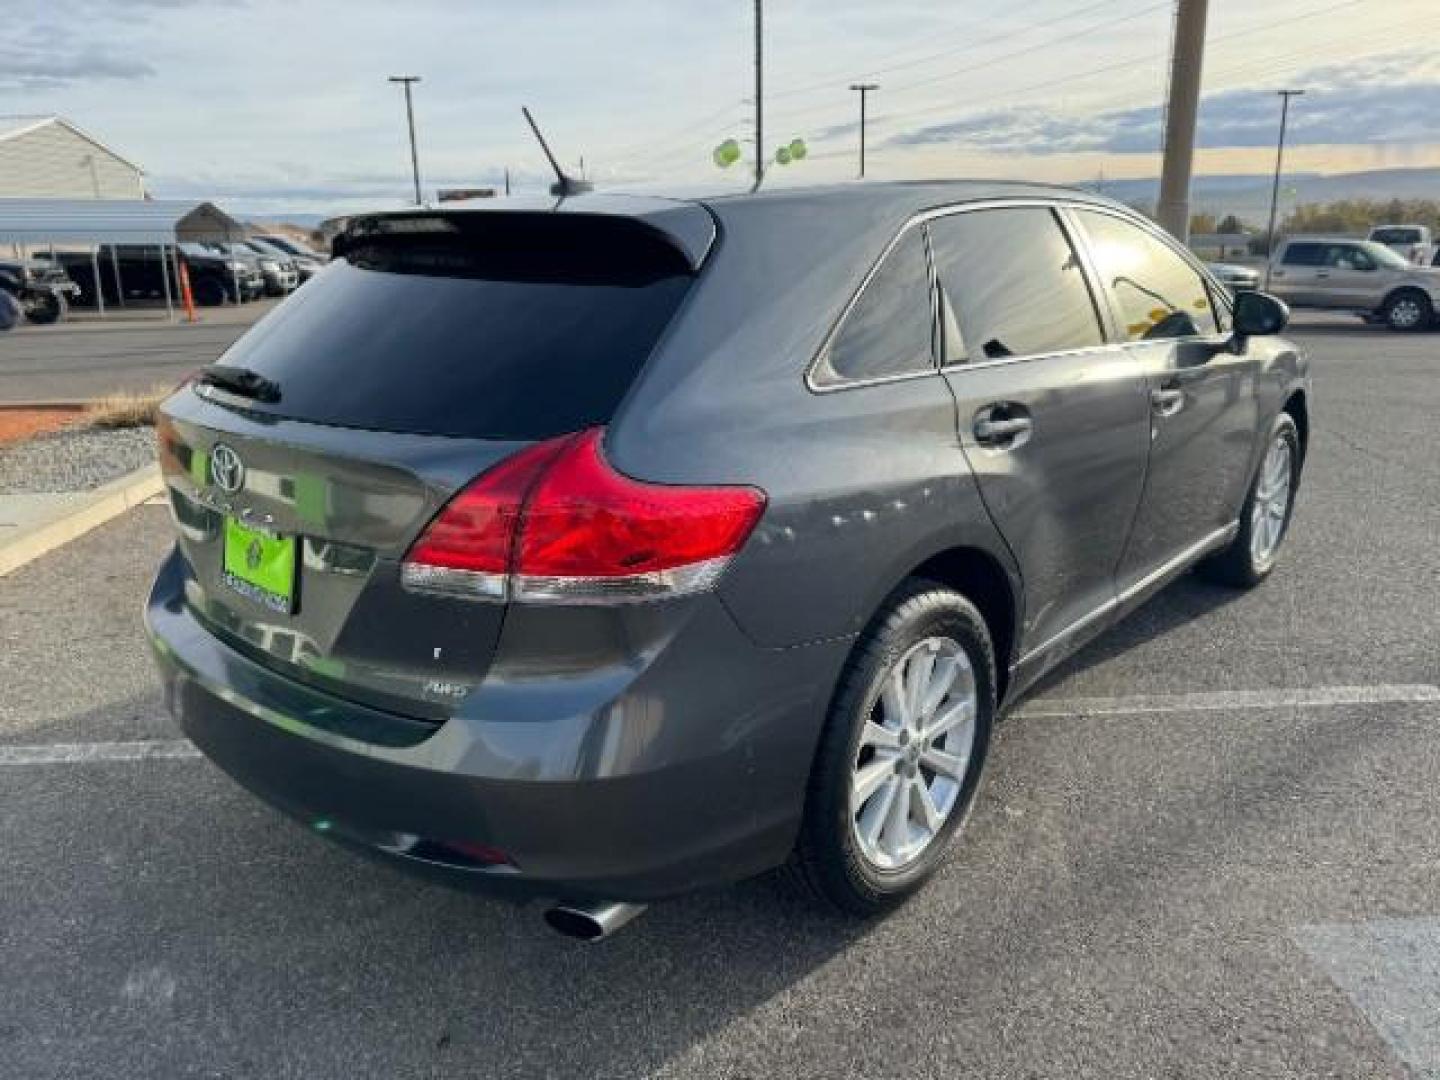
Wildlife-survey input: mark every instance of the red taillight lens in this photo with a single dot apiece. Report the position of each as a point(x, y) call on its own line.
point(556, 523)
point(466, 550)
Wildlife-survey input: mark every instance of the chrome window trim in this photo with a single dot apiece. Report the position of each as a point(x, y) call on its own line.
point(1056, 203)
point(880, 380)
point(1059, 205)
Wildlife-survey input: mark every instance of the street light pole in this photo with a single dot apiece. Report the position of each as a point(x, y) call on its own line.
point(864, 91)
point(406, 81)
point(1285, 96)
point(759, 93)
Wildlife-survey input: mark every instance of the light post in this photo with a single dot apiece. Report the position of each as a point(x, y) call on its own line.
point(864, 91)
point(1285, 96)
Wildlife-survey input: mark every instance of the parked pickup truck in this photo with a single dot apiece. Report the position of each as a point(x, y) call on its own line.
point(1344, 274)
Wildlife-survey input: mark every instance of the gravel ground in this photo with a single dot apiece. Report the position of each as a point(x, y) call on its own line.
point(74, 459)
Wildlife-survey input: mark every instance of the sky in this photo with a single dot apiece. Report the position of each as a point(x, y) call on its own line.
point(283, 106)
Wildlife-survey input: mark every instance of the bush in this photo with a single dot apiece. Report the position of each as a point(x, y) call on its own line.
point(126, 410)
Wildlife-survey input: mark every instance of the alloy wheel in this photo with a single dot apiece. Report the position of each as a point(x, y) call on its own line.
point(1405, 314)
point(1272, 501)
point(914, 753)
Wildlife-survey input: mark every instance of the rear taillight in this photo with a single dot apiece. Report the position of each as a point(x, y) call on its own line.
point(557, 524)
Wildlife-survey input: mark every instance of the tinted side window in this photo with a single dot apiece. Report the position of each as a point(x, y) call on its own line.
point(1304, 255)
point(1348, 257)
point(888, 331)
point(1013, 284)
point(1157, 293)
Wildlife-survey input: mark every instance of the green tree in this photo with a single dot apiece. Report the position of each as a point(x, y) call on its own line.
point(1230, 224)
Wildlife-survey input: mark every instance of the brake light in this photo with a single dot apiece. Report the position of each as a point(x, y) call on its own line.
point(557, 523)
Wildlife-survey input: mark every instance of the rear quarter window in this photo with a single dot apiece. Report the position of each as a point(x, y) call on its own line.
point(504, 329)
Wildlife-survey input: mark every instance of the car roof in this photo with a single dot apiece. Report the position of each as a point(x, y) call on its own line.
point(688, 216)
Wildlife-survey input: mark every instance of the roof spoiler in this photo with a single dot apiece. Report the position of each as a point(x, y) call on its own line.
point(687, 228)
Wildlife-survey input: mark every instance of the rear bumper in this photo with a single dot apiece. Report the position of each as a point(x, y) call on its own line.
point(666, 785)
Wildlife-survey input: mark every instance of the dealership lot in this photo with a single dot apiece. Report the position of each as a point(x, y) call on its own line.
point(1209, 846)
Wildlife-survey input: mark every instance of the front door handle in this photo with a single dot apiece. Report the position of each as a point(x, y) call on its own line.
point(1167, 401)
point(1001, 427)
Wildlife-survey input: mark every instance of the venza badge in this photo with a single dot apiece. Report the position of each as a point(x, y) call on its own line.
point(226, 469)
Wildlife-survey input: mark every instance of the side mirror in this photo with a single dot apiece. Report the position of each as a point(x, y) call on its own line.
point(1259, 314)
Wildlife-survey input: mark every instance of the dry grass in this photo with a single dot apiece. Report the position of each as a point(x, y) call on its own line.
point(126, 410)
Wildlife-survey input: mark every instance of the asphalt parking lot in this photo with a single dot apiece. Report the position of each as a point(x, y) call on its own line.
point(1209, 846)
point(86, 358)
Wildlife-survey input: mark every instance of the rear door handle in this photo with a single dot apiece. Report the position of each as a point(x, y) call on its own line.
point(1167, 401)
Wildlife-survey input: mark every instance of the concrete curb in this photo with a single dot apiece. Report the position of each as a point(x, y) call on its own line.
point(46, 405)
point(105, 502)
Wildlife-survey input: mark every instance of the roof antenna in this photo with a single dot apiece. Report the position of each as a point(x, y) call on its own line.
point(564, 185)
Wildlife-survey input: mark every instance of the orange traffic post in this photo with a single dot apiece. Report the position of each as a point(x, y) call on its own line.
point(186, 295)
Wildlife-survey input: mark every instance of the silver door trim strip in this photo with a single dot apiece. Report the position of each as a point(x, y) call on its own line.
point(1216, 539)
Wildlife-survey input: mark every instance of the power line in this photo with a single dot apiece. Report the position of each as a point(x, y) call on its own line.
point(828, 82)
point(1003, 57)
point(1103, 69)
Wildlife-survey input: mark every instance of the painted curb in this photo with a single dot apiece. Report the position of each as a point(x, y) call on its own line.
point(57, 405)
point(108, 501)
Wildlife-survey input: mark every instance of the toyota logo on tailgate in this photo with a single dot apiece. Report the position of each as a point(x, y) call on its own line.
point(226, 469)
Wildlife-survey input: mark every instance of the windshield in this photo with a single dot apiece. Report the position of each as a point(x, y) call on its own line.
point(287, 246)
point(1396, 236)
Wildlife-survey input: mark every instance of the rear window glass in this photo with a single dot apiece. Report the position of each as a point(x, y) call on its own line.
point(1396, 236)
point(505, 329)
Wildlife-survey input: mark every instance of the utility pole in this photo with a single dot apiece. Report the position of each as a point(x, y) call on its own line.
point(1186, 65)
point(759, 93)
point(406, 81)
point(864, 91)
point(1285, 96)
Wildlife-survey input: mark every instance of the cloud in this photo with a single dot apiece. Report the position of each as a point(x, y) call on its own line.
point(1387, 99)
point(23, 68)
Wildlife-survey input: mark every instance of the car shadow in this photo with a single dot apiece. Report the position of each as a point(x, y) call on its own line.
point(1180, 603)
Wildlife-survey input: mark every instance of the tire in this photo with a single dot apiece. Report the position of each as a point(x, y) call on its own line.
point(831, 860)
point(209, 292)
point(1246, 563)
point(46, 309)
point(1408, 310)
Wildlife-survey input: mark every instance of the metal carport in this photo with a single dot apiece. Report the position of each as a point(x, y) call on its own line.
point(28, 223)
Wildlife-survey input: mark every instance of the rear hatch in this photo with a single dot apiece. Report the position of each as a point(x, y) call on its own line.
point(430, 349)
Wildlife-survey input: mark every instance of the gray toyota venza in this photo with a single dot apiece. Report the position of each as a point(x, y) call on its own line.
point(601, 549)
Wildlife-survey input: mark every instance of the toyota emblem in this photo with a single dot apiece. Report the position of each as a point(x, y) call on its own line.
point(226, 469)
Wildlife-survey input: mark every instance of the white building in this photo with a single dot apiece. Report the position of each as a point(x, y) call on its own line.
point(49, 157)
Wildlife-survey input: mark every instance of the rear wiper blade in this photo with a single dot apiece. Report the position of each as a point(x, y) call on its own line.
point(241, 381)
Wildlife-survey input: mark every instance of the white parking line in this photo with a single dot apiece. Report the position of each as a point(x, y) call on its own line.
point(1310, 698)
point(79, 753)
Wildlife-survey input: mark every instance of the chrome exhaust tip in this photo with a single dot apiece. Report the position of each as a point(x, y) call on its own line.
point(590, 922)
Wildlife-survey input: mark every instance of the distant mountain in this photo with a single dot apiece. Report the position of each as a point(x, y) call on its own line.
point(1248, 196)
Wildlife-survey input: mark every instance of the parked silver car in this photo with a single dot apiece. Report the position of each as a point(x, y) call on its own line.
point(1368, 278)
